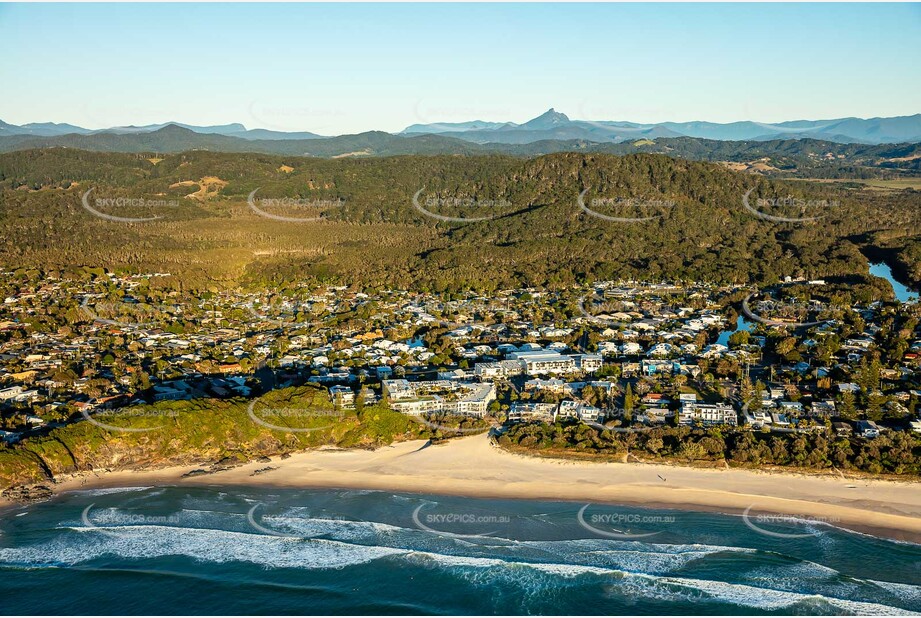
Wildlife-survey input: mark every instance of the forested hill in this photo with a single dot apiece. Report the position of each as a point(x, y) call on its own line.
point(479, 222)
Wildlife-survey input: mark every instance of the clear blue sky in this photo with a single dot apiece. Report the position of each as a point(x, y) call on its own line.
point(347, 67)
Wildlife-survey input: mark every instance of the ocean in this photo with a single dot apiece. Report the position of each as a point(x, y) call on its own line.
point(214, 550)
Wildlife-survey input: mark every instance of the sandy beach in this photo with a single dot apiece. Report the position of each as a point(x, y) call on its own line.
point(473, 466)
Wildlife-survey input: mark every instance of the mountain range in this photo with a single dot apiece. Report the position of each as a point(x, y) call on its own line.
point(554, 125)
point(797, 153)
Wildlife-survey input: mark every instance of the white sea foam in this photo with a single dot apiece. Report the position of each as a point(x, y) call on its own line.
point(105, 491)
point(771, 599)
point(907, 592)
point(220, 546)
point(217, 546)
point(543, 575)
point(470, 562)
point(604, 553)
point(646, 585)
point(794, 572)
point(654, 558)
point(645, 561)
point(148, 541)
point(342, 529)
point(492, 575)
point(631, 556)
point(303, 520)
point(531, 565)
point(569, 570)
point(595, 552)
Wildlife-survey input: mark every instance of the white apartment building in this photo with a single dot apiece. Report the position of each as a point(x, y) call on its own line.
point(707, 414)
point(588, 363)
point(500, 369)
point(536, 362)
point(398, 389)
point(12, 392)
point(440, 397)
point(532, 411)
point(343, 397)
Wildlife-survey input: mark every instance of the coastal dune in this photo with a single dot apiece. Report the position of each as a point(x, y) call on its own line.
point(473, 466)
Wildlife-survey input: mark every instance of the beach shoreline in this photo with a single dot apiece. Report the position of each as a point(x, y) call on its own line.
point(474, 467)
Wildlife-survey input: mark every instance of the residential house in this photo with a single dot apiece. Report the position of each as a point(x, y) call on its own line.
point(522, 412)
point(707, 414)
point(867, 429)
point(342, 397)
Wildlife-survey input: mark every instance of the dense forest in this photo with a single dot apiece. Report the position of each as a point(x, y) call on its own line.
point(894, 453)
point(512, 221)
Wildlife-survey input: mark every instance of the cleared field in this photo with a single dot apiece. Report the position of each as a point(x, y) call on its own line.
point(895, 184)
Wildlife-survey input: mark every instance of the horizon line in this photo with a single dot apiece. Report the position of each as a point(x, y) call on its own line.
point(246, 127)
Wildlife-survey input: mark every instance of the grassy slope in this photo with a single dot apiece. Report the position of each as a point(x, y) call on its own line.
point(201, 432)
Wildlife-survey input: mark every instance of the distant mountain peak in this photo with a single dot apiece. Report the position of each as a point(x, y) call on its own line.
point(551, 125)
point(549, 119)
point(174, 128)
